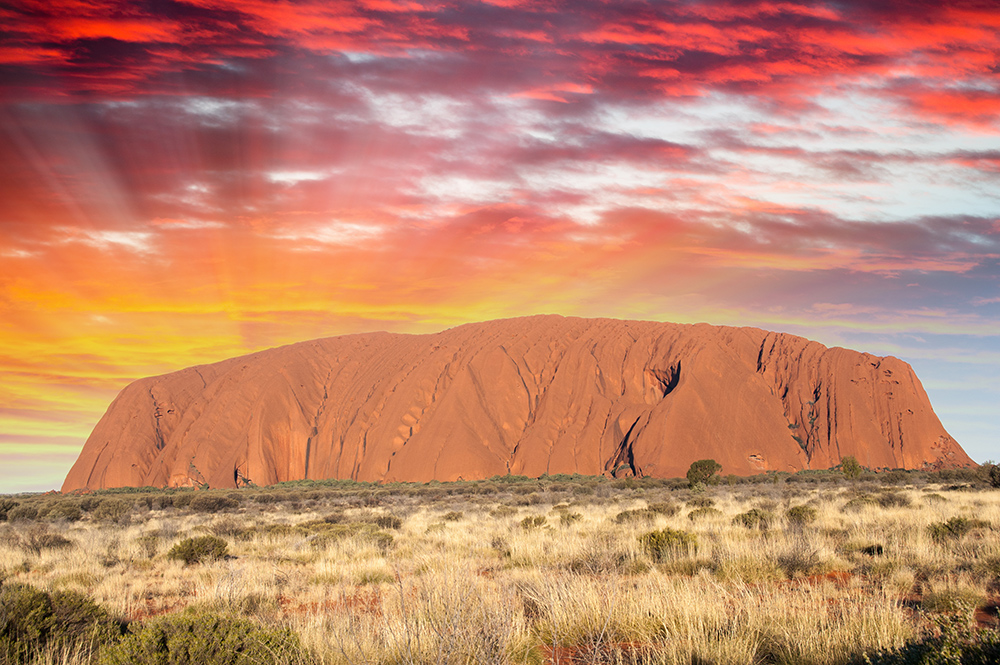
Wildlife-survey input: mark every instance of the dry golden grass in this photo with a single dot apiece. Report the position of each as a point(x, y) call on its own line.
point(484, 588)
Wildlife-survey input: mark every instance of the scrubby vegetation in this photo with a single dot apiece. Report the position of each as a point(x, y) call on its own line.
point(815, 567)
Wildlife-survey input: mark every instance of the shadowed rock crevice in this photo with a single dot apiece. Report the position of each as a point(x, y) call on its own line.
point(542, 394)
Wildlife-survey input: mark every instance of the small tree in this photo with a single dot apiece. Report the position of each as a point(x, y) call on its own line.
point(702, 471)
point(850, 467)
point(992, 473)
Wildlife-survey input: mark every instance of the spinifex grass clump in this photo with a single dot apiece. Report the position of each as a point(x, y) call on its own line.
point(667, 543)
point(199, 549)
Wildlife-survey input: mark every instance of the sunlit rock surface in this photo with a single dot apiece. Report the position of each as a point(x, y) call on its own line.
point(535, 395)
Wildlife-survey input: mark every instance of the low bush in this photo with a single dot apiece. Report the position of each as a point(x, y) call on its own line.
point(955, 528)
point(703, 513)
point(453, 516)
point(637, 515)
point(212, 503)
point(69, 511)
point(199, 549)
point(32, 620)
point(859, 503)
point(502, 511)
point(755, 518)
point(392, 522)
point(668, 543)
point(112, 510)
point(6, 505)
point(567, 518)
point(38, 539)
point(954, 642)
point(193, 638)
point(24, 512)
point(797, 561)
point(666, 508)
point(322, 534)
point(801, 514)
point(700, 502)
point(533, 522)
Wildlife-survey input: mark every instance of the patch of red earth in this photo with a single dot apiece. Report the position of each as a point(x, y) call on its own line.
point(986, 616)
point(150, 609)
point(839, 578)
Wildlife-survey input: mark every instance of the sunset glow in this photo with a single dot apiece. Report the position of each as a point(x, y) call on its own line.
point(189, 180)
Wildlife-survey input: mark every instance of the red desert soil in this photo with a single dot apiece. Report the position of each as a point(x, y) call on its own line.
point(535, 395)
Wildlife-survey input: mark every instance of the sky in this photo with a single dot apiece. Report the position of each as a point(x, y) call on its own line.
point(186, 181)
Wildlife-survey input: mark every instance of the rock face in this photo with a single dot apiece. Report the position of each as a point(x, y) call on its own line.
point(529, 396)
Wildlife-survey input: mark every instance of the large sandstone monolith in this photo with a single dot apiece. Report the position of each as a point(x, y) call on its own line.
point(542, 394)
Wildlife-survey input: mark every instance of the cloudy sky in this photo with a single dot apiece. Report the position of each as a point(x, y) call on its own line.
point(184, 181)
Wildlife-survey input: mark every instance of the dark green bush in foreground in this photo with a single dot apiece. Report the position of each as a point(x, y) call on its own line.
point(957, 643)
point(194, 638)
point(32, 620)
point(196, 550)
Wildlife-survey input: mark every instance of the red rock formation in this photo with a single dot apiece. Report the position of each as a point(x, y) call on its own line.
point(543, 394)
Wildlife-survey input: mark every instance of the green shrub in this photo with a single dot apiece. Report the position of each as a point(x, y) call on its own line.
point(893, 500)
point(667, 544)
point(193, 638)
point(532, 522)
point(502, 511)
point(453, 516)
point(184, 499)
point(638, 515)
point(703, 472)
point(196, 550)
point(567, 518)
point(31, 620)
point(955, 528)
point(666, 508)
point(112, 510)
point(24, 512)
point(801, 514)
point(755, 518)
point(955, 642)
point(993, 475)
point(858, 503)
point(6, 505)
point(703, 513)
point(393, 522)
point(65, 510)
point(798, 560)
point(850, 467)
point(212, 503)
point(324, 534)
point(700, 502)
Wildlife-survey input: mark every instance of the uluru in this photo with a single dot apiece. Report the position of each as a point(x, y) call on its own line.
point(527, 396)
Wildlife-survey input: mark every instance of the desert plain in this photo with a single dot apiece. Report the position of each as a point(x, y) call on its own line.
point(811, 567)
